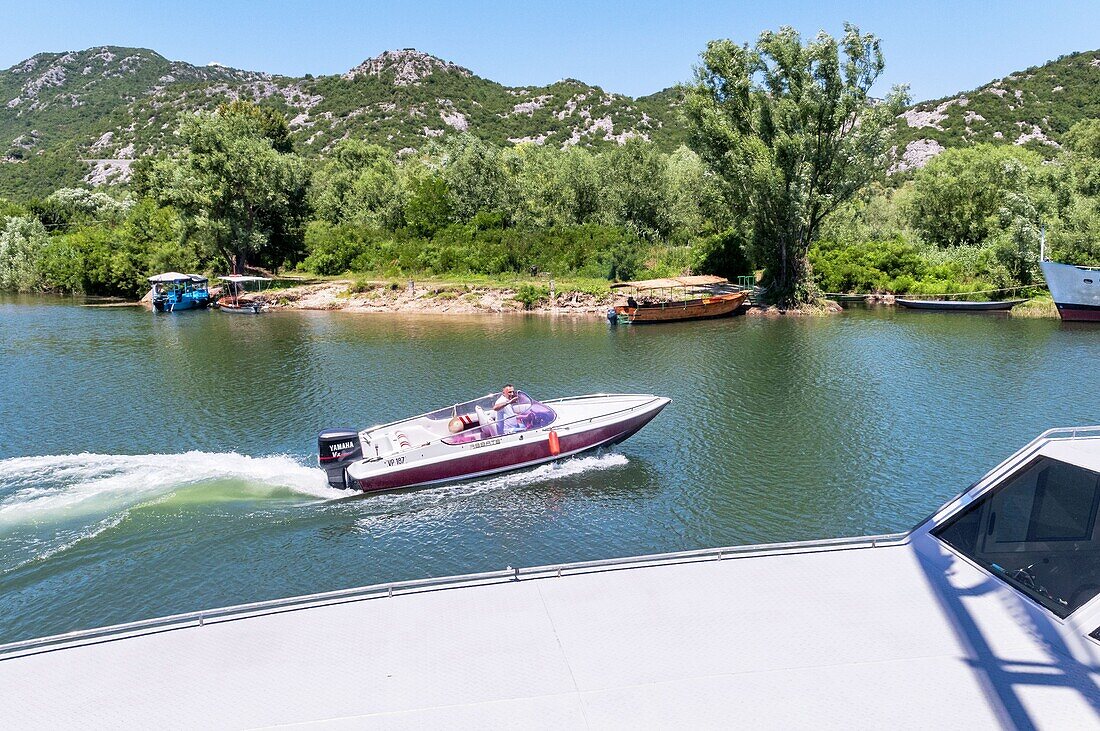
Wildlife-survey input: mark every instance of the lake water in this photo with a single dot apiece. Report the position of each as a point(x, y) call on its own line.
point(153, 464)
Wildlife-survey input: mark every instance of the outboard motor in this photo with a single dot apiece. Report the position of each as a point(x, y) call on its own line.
point(336, 449)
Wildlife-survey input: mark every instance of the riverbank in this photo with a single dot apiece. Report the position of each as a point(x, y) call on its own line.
point(443, 297)
point(464, 297)
point(433, 298)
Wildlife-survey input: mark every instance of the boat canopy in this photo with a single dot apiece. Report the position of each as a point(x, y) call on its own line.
point(176, 277)
point(238, 278)
point(702, 280)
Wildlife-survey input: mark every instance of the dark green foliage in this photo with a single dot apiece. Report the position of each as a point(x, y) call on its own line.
point(623, 260)
point(428, 205)
point(895, 267)
point(531, 295)
point(957, 197)
point(589, 250)
point(725, 254)
point(243, 199)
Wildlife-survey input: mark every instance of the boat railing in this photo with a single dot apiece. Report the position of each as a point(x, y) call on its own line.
point(1011, 463)
point(195, 619)
point(1069, 432)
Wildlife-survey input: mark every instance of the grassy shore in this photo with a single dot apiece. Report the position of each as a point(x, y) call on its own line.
point(1036, 307)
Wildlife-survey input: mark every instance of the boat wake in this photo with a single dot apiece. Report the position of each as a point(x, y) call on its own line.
point(417, 500)
point(52, 504)
point(49, 504)
point(40, 488)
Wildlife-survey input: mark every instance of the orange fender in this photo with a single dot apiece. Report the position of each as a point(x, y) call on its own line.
point(555, 445)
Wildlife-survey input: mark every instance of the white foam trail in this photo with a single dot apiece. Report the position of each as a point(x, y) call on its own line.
point(40, 489)
point(551, 471)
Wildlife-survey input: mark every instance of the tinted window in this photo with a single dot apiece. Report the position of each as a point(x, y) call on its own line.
point(1039, 531)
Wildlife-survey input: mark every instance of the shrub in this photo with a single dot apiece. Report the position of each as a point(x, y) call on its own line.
point(531, 295)
point(22, 240)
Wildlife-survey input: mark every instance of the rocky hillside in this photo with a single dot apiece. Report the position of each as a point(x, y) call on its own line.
point(88, 114)
point(1033, 108)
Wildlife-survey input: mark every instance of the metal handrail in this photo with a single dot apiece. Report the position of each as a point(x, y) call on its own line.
point(1020, 456)
point(241, 611)
point(1074, 432)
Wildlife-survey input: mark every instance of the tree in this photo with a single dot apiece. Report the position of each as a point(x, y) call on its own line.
point(555, 187)
point(241, 196)
point(636, 186)
point(791, 131)
point(22, 239)
point(475, 176)
point(1075, 235)
point(358, 184)
point(958, 196)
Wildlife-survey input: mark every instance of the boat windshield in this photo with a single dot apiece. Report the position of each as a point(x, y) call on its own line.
point(480, 419)
point(1039, 531)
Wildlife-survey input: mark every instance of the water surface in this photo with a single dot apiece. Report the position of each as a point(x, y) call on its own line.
point(152, 464)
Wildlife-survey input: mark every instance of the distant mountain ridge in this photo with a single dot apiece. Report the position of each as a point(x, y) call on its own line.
point(84, 116)
point(106, 106)
point(1033, 108)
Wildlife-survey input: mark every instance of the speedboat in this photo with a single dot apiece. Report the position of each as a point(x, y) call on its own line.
point(480, 437)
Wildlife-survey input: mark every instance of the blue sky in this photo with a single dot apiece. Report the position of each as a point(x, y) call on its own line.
point(632, 48)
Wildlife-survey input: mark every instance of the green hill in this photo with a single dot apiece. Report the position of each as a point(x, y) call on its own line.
point(84, 116)
point(1032, 108)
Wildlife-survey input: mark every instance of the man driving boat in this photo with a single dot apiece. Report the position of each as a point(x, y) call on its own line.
point(506, 413)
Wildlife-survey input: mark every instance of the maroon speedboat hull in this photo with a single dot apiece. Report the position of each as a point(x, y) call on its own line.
point(523, 454)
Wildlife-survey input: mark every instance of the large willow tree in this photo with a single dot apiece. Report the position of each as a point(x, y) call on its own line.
point(791, 130)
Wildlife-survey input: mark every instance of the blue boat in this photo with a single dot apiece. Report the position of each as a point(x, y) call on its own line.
point(173, 291)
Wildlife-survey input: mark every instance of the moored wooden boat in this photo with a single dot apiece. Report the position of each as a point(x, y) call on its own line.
point(677, 298)
point(958, 306)
point(239, 300)
point(837, 297)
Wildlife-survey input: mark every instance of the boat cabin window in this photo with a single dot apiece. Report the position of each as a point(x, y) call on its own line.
point(477, 419)
point(1039, 532)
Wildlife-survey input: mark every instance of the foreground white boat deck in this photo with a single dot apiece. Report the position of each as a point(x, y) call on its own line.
point(896, 631)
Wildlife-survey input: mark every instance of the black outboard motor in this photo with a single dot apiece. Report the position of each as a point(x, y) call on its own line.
point(336, 449)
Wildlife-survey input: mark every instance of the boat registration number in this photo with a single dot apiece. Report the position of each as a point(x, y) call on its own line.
point(487, 443)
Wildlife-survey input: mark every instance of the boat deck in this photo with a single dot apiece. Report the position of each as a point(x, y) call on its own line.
point(895, 631)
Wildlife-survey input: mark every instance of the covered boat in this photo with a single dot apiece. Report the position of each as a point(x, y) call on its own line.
point(676, 298)
point(480, 437)
point(173, 291)
point(238, 298)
